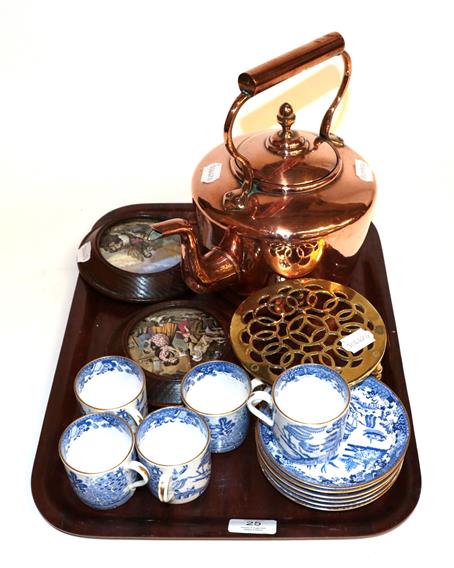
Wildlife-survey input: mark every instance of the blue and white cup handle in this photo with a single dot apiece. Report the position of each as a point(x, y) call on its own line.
point(255, 399)
point(256, 383)
point(136, 415)
point(164, 486)
point(142, 471)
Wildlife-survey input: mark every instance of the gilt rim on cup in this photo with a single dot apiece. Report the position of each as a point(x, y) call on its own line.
point(186, 462)
point(142, 386)
point(325, 369)
point(85, 417)
point(228, 412)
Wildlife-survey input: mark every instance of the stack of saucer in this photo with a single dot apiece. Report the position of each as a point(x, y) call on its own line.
point(366, 465)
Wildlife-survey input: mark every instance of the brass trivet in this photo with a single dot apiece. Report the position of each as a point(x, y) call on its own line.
point(303, 321)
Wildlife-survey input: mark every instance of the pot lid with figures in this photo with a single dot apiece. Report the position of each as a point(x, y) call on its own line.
point(124, 259)
point(167, 339)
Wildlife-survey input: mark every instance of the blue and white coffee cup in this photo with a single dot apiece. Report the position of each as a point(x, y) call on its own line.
point(97, 451)
point(173, 443)
point(308, 406)
point(219, 391)
point(113, 384)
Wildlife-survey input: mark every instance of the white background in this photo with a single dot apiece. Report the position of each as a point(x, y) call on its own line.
point(107, 103)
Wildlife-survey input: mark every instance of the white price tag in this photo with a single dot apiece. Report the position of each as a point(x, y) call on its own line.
point(84, 253)
point(211, 173)
point(357, 340)
point(252, 526)
point(363, 170)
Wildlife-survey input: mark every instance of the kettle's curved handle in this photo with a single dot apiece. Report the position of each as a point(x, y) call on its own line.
point(271, 73)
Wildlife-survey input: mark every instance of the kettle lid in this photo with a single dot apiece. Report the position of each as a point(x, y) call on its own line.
point(288, 160)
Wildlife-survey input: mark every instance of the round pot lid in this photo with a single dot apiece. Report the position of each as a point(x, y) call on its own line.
point(127, 260)
point(134, 246)
point(170, 340)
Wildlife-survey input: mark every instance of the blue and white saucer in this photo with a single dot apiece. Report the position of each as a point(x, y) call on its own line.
point(327, 506)
point(321, 495)
point(310, 498)
point(374, 444)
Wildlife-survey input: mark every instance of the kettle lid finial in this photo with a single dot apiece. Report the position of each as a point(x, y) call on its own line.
point(287, 142)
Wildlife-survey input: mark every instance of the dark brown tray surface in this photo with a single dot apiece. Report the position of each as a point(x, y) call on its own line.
point(238, 489)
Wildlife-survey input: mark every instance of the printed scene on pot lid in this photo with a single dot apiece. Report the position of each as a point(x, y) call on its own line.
point(133, 246)
point(172, 341)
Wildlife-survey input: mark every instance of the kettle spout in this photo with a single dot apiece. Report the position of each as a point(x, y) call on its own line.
point(208, 272)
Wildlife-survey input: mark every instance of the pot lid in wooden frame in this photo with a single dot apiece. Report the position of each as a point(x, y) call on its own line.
point(127, 260)
point(170, 338)
point(308, 321)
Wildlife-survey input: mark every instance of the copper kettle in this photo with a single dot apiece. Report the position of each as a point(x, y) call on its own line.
point(277, 204)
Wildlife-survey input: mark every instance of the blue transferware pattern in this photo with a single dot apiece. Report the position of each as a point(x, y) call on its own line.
point(315, 495)
point(187, 483)
point(375, 440)
point(105, 365)
point(323, 506)
point(325, 374)
point(310, 444)
point(344, 499)
point(229, 430)
point(213, 368)
point(106, 490)
point(170, 414)
point(189, 480)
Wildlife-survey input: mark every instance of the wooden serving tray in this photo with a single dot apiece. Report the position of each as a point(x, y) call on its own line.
point(238, 489)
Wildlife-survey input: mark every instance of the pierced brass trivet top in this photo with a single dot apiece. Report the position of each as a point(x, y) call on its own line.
point(304, 321)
